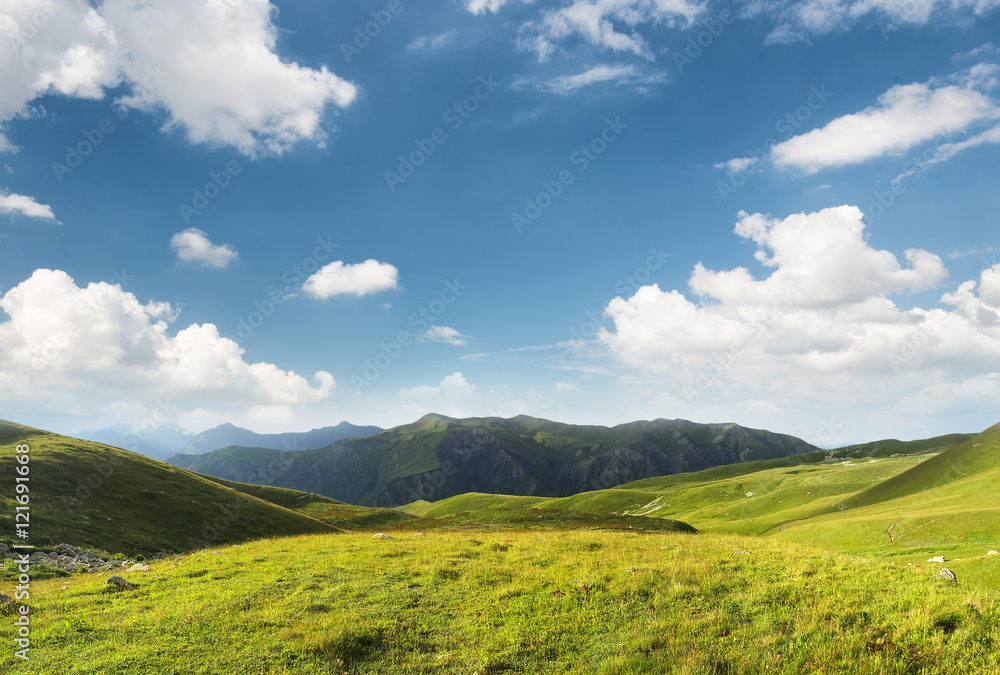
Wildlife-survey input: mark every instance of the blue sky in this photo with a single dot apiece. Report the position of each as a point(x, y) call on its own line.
point(782, 214)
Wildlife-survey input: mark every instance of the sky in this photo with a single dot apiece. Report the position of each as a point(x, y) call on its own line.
point(782, 214)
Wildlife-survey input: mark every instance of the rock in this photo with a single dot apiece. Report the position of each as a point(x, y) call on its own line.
point(6, 598)
point(381, 535)
point(121, 583)
point(993, 553)
point(138, 567)
point(936, 559)
point(69, 550)
point(947, 574)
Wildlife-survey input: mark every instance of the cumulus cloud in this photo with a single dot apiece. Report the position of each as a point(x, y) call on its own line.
point(193, 245)
point(338, 278)
point(819, 326)
point(12, 204)
point(452, 386)
point(211, 66)
point(903, 117)
point(445, 334)
point(619, 74)
point(52, 48)
point(75, 343)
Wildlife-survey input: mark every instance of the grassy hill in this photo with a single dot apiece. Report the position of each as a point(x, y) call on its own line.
point(536, 602)
point(338, 514)
point(936, 504)
point(104, 498)
point(438, 457)
point(947, 505)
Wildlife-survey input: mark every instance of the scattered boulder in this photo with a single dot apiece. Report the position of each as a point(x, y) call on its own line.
point(993, 553)
point(5, 598)
point(936, 559)
point(381, 535)
point(947, 574)
point(138, 567)
point(121, 583)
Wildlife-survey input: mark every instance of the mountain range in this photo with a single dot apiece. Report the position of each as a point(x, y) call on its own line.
point(438, 457)
point(164, 441)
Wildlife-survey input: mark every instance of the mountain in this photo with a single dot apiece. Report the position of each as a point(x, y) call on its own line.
point(165, 441)
point(438, 457)
point(104, 498)
point(225, 435)
point(158, 442)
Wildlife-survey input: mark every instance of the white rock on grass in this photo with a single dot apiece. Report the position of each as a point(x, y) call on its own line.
point(936, 559)
point(138, 567)
point(381, 535)
point(993, 553)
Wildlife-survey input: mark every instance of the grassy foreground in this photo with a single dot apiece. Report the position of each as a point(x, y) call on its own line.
point(541, 601)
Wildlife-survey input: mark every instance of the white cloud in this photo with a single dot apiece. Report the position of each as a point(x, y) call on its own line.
point(946, 151)
point(212, 66)
point(484, 6)
point(452, 386)
point(798, 20)
point(903, 117)
point(445, 334)
point(12, 204)
point(338, 278)
point(52, 48)
point(819, 328)
point(67, 343)
point(432, 42)
point(193, 245)
point(607, 24)
point(567, 386)
point(616, 74)
point(737, 166)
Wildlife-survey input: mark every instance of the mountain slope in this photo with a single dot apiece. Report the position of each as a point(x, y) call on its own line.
point(975, 456)
point(105, 498)
point(437, 457)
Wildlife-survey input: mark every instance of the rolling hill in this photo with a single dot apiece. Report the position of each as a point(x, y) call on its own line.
point(108, 499)
point(936, 494)
point(438, 457)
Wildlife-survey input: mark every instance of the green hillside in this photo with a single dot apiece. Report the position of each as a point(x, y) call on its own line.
point(948, 505)
point(338, 514)
point(812, 498)
point(751, 498)
point(977, 455)
point(104, 498)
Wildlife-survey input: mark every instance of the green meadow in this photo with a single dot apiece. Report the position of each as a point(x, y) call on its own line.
point(816, 563)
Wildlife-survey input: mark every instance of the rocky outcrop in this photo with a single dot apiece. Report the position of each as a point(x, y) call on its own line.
point(71, 559)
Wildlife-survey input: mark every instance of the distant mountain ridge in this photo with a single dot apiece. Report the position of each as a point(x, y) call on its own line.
point(227, 434)
point(166, 441)
point(438, 457)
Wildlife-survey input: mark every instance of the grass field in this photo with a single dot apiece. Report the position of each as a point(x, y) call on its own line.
point(806, 564)
point(517, 602)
